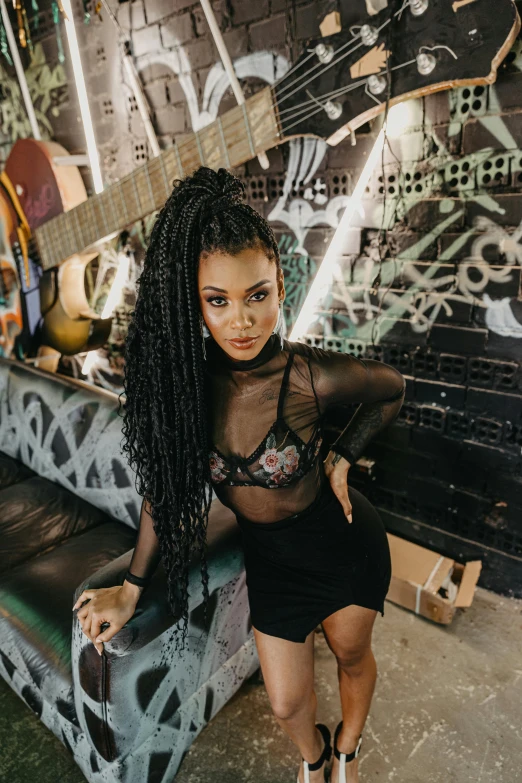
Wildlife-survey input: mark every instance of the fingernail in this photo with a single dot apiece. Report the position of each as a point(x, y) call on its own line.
point(98, 641)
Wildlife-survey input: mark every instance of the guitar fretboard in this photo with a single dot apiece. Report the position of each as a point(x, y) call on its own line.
point(235, 137)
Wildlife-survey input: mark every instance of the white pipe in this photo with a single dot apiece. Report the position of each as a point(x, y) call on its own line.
point(92, 150)
point(140, 100)
point(20, 72)
point(227, 65)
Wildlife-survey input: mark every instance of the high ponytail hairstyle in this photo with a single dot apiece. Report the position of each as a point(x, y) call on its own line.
point(165, 414)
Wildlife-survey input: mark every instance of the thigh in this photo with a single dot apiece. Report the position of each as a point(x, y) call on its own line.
point(348, 632)
point(287, 667)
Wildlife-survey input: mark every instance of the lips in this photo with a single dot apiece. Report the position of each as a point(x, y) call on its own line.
point(243, 343)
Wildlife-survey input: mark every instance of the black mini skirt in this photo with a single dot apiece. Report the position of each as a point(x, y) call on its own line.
point(301, 569)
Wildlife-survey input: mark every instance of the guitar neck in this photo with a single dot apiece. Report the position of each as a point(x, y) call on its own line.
point(232, 139)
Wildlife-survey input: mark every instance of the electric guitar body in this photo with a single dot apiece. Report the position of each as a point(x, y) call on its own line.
point(46, 191)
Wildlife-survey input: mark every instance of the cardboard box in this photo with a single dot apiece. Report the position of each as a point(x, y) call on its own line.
point(428, 583)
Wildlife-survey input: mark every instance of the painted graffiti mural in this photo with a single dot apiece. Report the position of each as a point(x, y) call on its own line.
point(419, 284)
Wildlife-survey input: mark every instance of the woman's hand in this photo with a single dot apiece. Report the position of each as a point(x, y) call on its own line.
point(114, 605)
point(336, 469)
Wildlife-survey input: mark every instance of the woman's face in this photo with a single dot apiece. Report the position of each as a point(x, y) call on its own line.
point(239, 297)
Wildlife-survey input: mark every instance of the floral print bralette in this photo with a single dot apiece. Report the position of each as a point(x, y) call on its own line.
point(281, 458)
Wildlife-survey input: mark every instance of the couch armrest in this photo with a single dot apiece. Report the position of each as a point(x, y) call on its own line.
point(139, 705)
point(152, 616)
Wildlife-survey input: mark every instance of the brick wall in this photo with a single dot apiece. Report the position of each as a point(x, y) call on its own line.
point(448, 312)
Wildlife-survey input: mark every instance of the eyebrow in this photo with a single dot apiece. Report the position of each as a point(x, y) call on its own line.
point(224, 291)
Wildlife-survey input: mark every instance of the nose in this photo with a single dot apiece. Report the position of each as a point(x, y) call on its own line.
point(240, 321)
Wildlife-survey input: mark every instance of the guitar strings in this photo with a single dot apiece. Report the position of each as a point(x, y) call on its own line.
point(333, 62)
point(340, 92)
point(325, 67)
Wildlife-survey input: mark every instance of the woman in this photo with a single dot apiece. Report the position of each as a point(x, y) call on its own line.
point(241, 412)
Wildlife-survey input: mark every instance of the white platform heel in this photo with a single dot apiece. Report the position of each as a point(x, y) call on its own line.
point(325, 755)
point(344, 757)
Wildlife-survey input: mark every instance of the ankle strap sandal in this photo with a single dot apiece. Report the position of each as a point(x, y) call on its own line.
point(344, 757)
point(325, 755)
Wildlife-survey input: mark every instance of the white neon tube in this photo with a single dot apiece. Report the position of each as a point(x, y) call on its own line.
point(323, 278)
point(85, 111)
point(19, 68)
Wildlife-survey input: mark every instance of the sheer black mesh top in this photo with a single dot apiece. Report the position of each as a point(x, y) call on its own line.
point(266, 415)
point(265, 427)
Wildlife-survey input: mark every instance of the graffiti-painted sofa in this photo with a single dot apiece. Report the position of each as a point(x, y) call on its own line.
point(69, 512)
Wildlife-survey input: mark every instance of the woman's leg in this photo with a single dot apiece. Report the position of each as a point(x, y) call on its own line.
point(348, 634)
point(288, 672)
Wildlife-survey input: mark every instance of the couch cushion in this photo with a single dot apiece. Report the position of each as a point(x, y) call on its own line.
point(36, 515)
point(12, 471)
point(36, 600)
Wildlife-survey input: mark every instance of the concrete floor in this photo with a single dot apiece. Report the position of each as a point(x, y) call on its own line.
point(447, 707)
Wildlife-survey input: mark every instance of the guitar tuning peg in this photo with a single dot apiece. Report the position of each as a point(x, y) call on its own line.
point(425, 63)
point(376, 84)
point(324, 52)
point(368, 34)
point(333, 109)
point(418, 7)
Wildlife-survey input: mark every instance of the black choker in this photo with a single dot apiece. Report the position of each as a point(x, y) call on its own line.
point(216, 354)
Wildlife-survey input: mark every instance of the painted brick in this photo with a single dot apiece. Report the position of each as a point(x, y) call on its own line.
point(344, 155)
point(444, 394)
point(236, 41)
point(508, 90)
point(456, 339)
point(200, 53)
point(490, 252)
point(476, 135)
point(490, 457)
point(177, 30)
point(428, 213)
point(174, 91)
point(308, 20)
point(200, 20)
point(159, 9)
point(146, 41)
point(244, 11)
point(170, 120)
point(150, 69)
point(461, 312)
point(510, 205)
point(506, 407)
point(131, 15)
point(265, 34)
point(156, 94)
point(436, 107)
point(275, 159)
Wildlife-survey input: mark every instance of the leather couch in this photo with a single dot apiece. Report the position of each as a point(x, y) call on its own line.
point(69, 512)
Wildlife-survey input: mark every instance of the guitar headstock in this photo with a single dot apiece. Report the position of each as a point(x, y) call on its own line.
point(411, 47)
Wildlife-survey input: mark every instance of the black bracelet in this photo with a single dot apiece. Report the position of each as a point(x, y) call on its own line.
point(344, 452)
point(140, 581)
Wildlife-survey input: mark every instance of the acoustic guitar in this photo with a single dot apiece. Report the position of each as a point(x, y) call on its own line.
point(408, 49)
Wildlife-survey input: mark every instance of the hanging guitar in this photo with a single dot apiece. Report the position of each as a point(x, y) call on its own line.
point(409, 49)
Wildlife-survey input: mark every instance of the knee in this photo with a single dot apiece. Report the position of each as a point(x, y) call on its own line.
point(355, 660)
point(288, 706)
